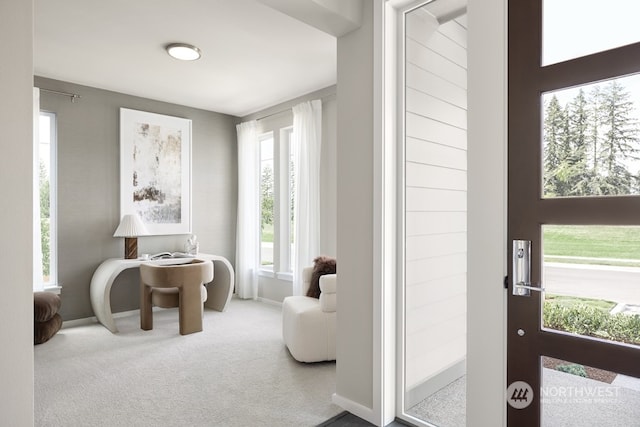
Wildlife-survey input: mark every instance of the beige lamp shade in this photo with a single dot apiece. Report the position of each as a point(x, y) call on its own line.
point(131, 226)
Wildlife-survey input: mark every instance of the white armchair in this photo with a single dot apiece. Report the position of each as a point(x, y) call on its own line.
point(309, 324)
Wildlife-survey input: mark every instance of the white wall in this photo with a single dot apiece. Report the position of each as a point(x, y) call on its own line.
point(16, 304)
point(436, 196)
point(487, 218)
point(354, 366)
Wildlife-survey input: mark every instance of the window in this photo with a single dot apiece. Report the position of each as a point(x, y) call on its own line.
point(46, 176)
point(576, 28)
point(590, 139)
point(291, 190)
point(267, 201)
point(277, 189)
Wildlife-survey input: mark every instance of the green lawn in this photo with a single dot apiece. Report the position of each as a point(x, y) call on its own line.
point(569, 302)
point(267, 233)
point(617, 242)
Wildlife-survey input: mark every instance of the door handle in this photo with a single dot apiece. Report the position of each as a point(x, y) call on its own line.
point(522, 285)
point(526, 286)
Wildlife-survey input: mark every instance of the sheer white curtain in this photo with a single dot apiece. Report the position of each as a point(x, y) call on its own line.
point(307, 141)
point(247, 236)
point(38, 284)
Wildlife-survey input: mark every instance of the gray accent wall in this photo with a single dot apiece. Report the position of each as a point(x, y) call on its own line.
point(89, 189)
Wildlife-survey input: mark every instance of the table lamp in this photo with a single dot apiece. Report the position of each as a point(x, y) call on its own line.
point(130, 228)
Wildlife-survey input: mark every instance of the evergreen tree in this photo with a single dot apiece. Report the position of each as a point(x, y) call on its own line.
point(266, 196)
point(596, 121)
point(45, 230)
point(620, 140)
point(555, 139)
point(591, 143)
point(578, 115)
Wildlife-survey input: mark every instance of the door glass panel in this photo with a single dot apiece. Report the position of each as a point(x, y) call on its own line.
point(575, 28)
point(577, 395)
point(434, 214)
point(591, 139)
point(592, 279)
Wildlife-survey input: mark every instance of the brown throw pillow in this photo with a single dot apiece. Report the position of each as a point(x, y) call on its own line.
point(321, 265)
point(43, 331)
point(45, 306)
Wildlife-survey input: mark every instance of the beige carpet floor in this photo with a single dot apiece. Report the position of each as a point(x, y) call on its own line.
point(237, 372)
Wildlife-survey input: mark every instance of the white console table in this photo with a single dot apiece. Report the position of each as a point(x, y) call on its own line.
point(218, 291)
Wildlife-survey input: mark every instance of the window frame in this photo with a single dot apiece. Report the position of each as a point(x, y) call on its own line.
point(282, 267)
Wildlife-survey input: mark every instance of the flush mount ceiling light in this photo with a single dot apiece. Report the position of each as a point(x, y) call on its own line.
point(182, 51)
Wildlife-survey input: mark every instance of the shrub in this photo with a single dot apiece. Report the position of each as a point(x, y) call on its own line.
point(591, 321)
point(573, 369)
point(623, 327)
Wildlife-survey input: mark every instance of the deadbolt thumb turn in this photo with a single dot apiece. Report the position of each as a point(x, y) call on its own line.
point(522, 286)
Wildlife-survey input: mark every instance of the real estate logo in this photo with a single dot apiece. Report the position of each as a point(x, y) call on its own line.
point(519, 394)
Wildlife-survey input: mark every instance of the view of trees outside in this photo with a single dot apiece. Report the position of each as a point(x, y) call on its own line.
point(591, 141)
point(267, 200)
point(267, 204)
point(47, 121)
point(45, 209)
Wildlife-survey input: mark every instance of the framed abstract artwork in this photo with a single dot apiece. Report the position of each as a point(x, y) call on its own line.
point(155, 170)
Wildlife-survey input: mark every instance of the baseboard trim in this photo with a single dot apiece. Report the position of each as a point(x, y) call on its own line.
point(355, 408)
point(269, 301)
point(93, 319)
point(434, 383)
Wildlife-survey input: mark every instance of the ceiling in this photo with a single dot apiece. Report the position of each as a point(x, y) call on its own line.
point(253, 56)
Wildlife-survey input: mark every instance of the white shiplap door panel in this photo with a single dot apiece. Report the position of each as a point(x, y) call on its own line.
point(462, 21)
point(444, 46)
point(420, 367)
point(437, 64)
point(433, 108)
point(427, 176)
point(434, 245)
point(430, 199)
point(422, 295)
point(435, 190)
point(421, 26)
point(434, 336)
point(455, 31)
point(426, 129)
point(436, 86)
point(435, 316)
point(421, 223)
point(428, 269)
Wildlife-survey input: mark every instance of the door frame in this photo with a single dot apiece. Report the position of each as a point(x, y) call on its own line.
point(487, 209)
point(487, 171)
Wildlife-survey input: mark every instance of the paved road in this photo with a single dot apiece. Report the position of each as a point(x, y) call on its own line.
point(619, 284)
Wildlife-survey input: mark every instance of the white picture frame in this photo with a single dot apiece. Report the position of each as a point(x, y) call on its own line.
point(155, 170)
